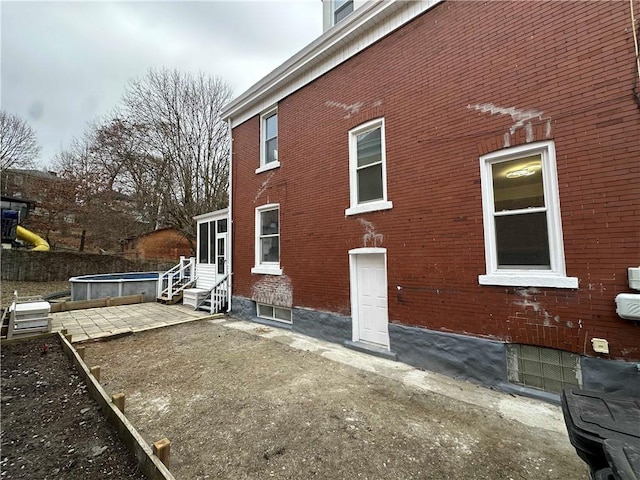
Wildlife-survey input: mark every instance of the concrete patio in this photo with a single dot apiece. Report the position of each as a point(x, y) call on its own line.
point(96, 323)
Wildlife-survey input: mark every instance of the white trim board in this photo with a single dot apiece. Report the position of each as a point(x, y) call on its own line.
point(365, 26)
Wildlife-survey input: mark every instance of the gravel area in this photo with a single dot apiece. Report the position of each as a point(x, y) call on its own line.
point(240, 406)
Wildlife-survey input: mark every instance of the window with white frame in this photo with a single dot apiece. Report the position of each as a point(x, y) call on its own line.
point(206, 242)
point(211, 247)
point(367, 168)
point(268, 240)
point(341, 8)
point(272, 312)
point(268, 140)
point(521, 212)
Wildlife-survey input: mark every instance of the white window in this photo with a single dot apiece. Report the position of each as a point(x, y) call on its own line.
point(268, 240)
point(367, 168)
point(521, 211)
point(272, 312)
point(341, 8)
point(268, 141)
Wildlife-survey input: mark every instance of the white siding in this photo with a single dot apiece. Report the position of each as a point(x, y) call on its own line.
point(206, 275)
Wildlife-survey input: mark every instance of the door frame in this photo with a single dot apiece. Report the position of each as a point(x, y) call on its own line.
point(353, 278)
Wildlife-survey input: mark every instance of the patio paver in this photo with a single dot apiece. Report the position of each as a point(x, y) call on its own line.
point(94, 323)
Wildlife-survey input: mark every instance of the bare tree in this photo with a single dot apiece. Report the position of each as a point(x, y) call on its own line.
point(161, 160)
point(179, 116)
point(122, 148)
point(103, 214)
point(18, 144)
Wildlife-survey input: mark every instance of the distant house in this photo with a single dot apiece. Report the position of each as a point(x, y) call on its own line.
point(17, 182)
point(163, 244)
point(49, 208)
point(452, 184)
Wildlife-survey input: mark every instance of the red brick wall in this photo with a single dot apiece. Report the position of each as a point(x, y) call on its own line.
point(573, 61)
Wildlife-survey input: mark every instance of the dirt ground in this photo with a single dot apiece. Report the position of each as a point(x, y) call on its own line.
point(51, 428)
point(239, 406)
point(29, 288)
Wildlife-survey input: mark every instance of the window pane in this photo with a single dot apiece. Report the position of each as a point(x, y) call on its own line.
point(269, 221)
point(222, 225)
point(220, 255)
point(270, 249)
point(517, 184)
point(370, 183)
point(265, 311)
point(282, 314)
point(343, 8)
point(203, 245)
point(212, 242)
point(369, 147)
point(522, 240)
point(271, 150)
point(271, 127)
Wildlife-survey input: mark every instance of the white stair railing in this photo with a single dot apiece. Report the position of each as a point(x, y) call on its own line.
point(218, 296)
point(176, 279)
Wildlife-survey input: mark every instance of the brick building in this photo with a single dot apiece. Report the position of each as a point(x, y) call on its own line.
point(162, 244)
point(452, 184)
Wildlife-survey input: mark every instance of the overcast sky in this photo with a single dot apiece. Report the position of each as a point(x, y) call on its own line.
point(66, 63)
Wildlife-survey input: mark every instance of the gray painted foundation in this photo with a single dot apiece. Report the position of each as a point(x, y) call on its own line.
point(323, 325)
point(477, 360)
point(460, 356)
point(243, 308)
point(611, 376)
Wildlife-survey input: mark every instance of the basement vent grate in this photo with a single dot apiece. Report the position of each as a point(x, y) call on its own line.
point(546, 369)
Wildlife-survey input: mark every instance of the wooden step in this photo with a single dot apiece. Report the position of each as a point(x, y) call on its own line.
point(175, 298)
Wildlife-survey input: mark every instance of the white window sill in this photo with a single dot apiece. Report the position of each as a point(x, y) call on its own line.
point(268, 166)
point(369, 207)
point(267, 270)
point(528, 280)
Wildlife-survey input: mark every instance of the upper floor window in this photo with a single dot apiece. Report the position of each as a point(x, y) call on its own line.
point(268, 140)
point(341, 8)
point(521, 211)
point(267, 240)
point(367, 168)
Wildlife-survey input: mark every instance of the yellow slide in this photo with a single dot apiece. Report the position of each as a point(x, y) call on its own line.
point(28, 236)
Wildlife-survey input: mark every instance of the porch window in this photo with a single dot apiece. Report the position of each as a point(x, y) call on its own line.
point(206, 242)
point(211, 243)
point(523, 230)
point(267, 240)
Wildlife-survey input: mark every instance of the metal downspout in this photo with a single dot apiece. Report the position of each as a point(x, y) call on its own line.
point(230, 228)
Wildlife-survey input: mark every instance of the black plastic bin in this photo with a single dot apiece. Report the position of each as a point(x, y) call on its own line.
point(593, 417)
point(624, 459)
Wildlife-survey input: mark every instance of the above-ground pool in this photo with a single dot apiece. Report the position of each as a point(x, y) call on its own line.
point(91, 287)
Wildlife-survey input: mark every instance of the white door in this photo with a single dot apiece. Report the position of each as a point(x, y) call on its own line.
point(221, 255)
point(371, 288)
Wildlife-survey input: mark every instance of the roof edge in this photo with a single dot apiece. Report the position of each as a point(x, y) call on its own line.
point(322, 45)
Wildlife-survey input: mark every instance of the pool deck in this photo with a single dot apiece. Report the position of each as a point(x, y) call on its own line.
point(98, 323)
